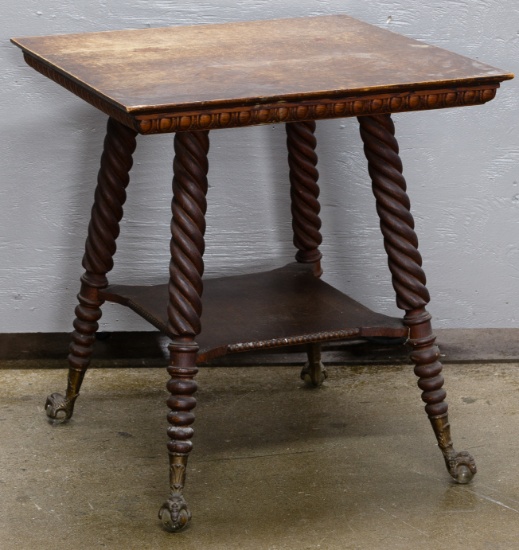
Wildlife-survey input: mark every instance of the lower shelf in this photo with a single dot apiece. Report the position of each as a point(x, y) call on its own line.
point(283, 307)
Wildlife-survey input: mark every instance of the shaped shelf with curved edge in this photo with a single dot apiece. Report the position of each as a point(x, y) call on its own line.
point(282, 307)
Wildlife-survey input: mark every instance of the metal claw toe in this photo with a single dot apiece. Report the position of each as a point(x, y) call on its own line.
point(175, 514)
point(58, 408)
point(314, 375)
point(462, 467)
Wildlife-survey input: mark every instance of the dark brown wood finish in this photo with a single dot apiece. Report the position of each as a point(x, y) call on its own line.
point(100, 248)
point(304, 191)
point(306, 223)
point(405, 264)
point(184, 310)
point(286, 306)
point(189, 80)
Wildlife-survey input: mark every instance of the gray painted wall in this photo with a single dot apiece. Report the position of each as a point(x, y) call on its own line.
point(462, 168)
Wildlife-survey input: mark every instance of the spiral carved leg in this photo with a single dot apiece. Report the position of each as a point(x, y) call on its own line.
point(174, 513)
point(184, 311)
point(306, 223)
point(103, 230)
point(314, 373)
point(408, 277)
point(425, 354)
point(88, 312)
point(304, 191)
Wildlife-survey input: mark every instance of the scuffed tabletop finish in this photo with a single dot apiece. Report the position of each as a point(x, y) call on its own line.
point(147, 78)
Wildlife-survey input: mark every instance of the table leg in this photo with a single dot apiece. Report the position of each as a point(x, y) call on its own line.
point(184, 310)
point(405, 264)
point(304, 191)
point(103, 230)
point(306, 223)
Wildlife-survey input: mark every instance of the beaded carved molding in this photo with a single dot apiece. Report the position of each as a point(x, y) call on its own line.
point(313, 110)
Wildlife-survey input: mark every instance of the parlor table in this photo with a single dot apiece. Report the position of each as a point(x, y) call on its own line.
point(188, 80)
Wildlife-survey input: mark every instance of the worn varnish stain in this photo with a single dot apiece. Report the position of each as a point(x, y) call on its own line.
point(213, 66)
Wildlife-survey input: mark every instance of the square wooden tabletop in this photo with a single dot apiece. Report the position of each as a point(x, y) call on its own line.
point(214, 68)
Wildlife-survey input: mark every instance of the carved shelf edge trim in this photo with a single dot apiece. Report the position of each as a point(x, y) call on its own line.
point(314, 110)
point(294, 340)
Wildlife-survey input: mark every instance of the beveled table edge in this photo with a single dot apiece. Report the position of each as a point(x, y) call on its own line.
point(323, 106)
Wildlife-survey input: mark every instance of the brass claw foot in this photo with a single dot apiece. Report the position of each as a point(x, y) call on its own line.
point(175, 514)
point(314, 374)
point(461, 466)
point(59, 407)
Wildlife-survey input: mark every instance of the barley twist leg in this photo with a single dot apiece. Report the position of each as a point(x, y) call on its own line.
point(408, 277)
point(103, 230)
point(184, 311)
point(306, 223)
point(304, 191)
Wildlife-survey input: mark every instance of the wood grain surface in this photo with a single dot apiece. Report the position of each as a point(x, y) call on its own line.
point(221, 65)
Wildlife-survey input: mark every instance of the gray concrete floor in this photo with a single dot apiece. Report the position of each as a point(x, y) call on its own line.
point(353, 465)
